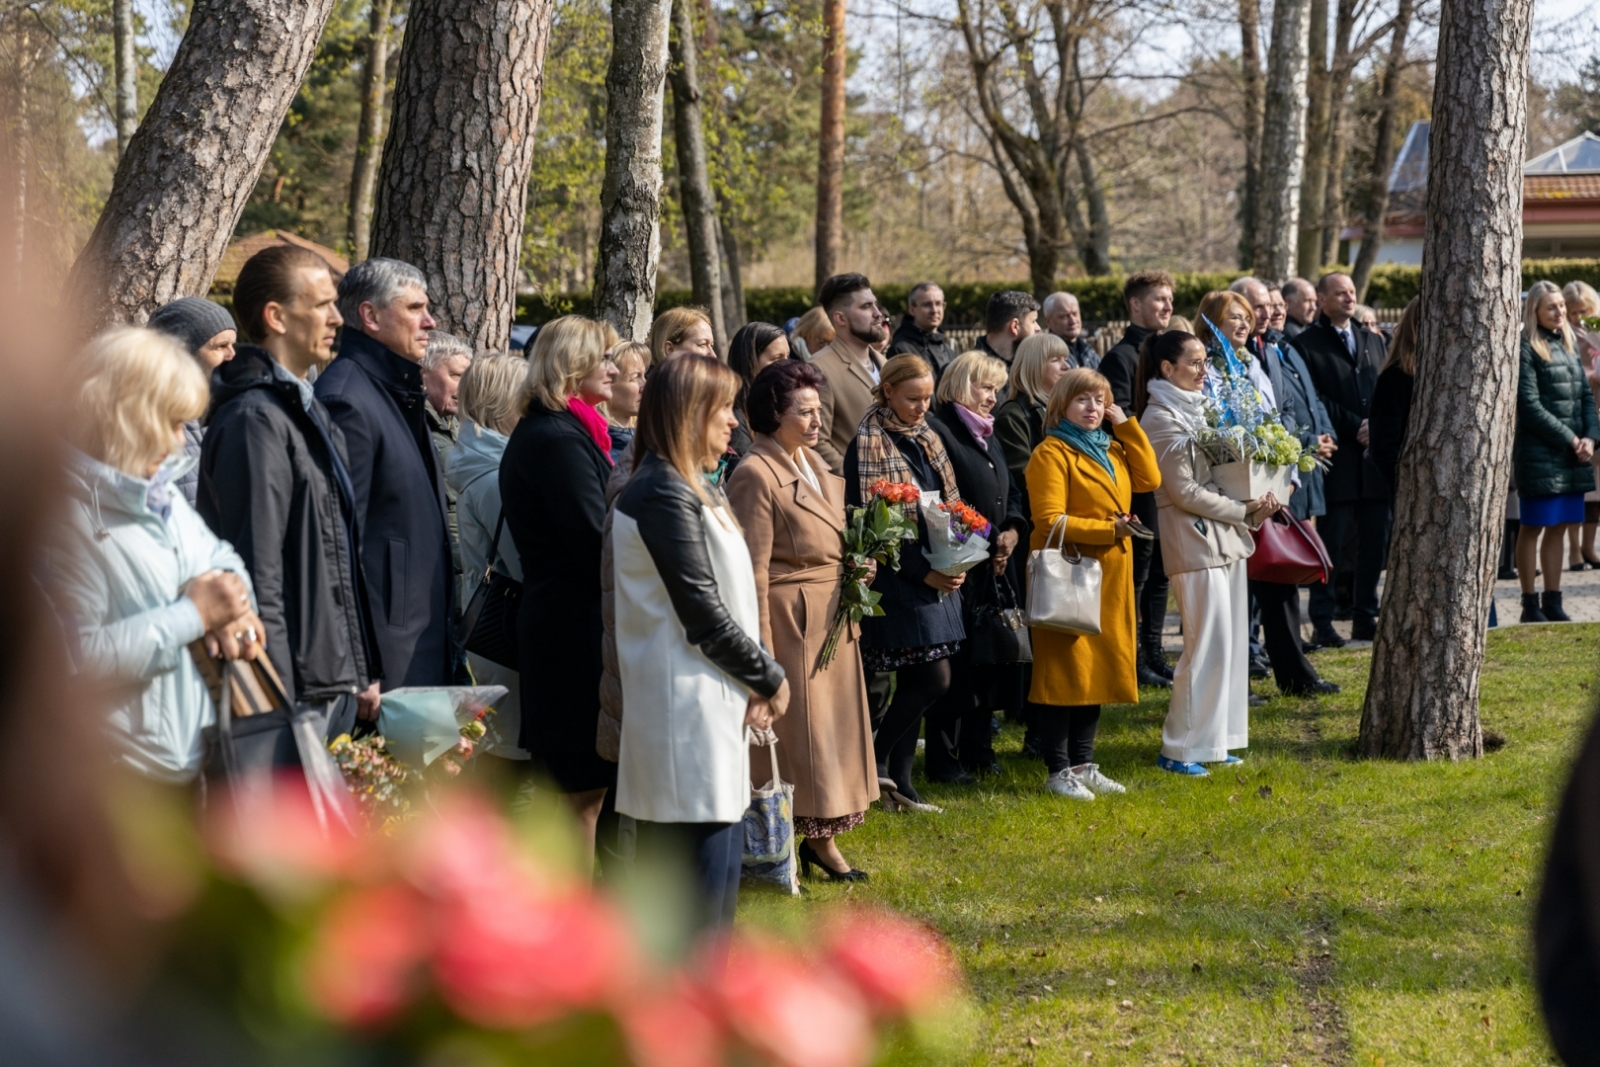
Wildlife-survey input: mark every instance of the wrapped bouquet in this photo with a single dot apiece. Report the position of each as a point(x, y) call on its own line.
point(957, 535)
point(872, 532)
point(1250, 451)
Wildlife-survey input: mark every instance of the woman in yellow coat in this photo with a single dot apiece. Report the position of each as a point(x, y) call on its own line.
point(1089, 475)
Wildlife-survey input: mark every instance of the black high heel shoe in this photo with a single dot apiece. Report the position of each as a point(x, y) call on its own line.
point(809, 859)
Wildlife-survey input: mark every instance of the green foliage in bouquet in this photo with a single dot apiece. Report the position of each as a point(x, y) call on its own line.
point(872, 532)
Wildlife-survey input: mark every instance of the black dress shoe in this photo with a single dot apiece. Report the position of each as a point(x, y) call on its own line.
point(1320, 687)
point(1325, 637)
point(1148, 677)
point(1259, 667)
point(1361, 633)
point(810, 859)
point(955, 776)
point(1257, 701)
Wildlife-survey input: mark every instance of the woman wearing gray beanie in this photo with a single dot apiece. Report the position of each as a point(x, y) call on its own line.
point(208, 332)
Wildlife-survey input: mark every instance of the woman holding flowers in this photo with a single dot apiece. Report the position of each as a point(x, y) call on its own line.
point(1087, 475)
point(921, 623)
point(792, 509)
point(1205, 542)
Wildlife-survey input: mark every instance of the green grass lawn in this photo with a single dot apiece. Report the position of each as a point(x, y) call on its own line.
point(1307, 907)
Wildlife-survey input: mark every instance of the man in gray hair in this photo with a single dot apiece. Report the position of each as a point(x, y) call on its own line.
point(1062, 316)
point(374, 391)
point(446, 360)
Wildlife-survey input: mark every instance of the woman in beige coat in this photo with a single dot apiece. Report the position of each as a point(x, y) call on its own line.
point(1205, 543)
point(792, 509)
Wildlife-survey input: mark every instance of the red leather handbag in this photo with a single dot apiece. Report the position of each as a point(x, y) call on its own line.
point(1288, 552)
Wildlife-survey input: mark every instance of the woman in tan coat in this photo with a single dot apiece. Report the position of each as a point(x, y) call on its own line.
point(792, 509)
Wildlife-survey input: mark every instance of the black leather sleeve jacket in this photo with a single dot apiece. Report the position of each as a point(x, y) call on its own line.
point(670, 524)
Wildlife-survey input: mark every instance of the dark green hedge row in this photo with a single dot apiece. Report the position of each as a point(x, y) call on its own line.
point(1390, 287)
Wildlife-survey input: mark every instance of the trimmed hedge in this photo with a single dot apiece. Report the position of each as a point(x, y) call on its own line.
point(1101, 297)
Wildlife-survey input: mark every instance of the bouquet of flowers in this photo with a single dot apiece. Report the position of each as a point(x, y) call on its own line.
point(1250, 450)
point(872, 532)
point(957, 534)
point(377, 780)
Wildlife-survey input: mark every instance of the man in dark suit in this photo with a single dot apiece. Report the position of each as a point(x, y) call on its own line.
point(1148, 295)
point(374, 391)
point(1343, 360)
point(1299, 305)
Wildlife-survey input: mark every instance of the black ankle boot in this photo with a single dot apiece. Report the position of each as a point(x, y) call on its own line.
point(1530, 608)
point(1551, 607)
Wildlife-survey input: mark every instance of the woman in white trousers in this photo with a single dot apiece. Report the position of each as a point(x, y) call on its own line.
point(1205, 543)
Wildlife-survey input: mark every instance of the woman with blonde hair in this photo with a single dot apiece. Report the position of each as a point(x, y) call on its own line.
point(681, 331)
point(488, 407)
point(1039, 363)
point(1583, 303)
point(921, 627)
point(1084, 477)
point(1557, 427)
point(814, 333)
point(627, 392)
point(137, 572)
point(695, 679)
point(552, 484)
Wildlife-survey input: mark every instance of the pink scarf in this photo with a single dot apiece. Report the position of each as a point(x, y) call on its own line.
point(595, 423)
point(980, 426)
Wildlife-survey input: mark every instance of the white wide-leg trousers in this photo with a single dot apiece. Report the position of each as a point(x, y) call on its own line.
point(1210, 711)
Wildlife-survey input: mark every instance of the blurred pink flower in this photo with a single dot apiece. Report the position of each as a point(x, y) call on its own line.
point(902, 966)
point(673, 1026)
point(365, 956)
point(269, 833)
point(791, 1011)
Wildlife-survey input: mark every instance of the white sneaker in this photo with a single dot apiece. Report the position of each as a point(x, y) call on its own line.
point(1067, 784)
point(1089, 774)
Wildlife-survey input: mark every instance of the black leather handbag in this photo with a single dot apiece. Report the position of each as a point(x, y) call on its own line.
point(488, 626)
point(999, 629)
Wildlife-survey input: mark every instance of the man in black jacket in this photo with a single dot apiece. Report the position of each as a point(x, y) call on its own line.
point(374, 393)
point(1299, 305)
point(1062, 315)
point(1344, 359)
point(919, 330)
point(275, 483)
point(1148, 295)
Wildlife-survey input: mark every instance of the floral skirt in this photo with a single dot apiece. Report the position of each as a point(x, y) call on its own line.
point(807, 826)
point(883, 660)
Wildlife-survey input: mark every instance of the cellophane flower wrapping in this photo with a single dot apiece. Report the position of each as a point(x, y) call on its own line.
point(957, 535)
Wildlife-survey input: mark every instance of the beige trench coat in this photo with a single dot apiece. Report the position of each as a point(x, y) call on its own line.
point(825, 739)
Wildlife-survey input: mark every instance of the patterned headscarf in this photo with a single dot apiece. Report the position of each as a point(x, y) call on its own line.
point(878, 459)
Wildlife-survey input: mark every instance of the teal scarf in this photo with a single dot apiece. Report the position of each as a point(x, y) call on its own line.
point(1095, 444)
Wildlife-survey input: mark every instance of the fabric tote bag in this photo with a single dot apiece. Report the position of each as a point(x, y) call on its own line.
point(1063, 590)
point(769, 856)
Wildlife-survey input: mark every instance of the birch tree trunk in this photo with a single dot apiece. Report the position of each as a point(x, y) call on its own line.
point(191, 165)
point(1283, 142)
point(694, 183)
point(453, 184)
point(630, 198)
point(1383, 153)
point(369, 134)
point(125, 70)
point(830, 153)
point(1422, 697)
point(1250, 70)
point(1314, 184)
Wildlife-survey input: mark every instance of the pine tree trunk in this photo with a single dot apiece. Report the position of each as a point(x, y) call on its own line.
point(1314, 185)
point(1250, 69)
point(193, 163)
point(830, 154)
point(453, 183)
point(1383, 153)
point(1422, 697)
point(1283, 142)
point(630, 198)
point(694, 183)
point(369, 133)
point(125, 67)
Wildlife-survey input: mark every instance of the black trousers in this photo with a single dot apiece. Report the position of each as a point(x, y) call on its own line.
point(1280, 624)
point(1150, 587)
point(1066, 733)
point(1370, 518)
point(958, 724)
point(713, 850)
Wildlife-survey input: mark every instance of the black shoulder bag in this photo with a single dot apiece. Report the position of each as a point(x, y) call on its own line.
point(999, 633)
point(488, 626)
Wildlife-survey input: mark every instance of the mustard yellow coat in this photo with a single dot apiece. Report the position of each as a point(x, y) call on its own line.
point(1070, 669)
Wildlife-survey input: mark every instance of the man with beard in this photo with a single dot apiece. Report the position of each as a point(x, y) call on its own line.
point(849, 363)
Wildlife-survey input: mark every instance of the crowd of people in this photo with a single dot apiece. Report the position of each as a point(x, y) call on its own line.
point(674, 517)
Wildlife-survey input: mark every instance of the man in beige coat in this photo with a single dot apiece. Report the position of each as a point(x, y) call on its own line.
point(849, 364)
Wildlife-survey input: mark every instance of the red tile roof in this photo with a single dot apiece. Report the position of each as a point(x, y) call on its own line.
point(242, 249)
point(1561, 187)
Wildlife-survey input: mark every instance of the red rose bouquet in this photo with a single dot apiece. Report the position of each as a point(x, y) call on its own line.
point(872, 532)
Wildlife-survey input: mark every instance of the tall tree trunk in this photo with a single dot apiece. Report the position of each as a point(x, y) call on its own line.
point(1096, 252)
point(125, 67)
point(193, 163)
point(369, 134)
point(453, 184)
point(1338, 138)
point(733, 312)
point(1422, 697)
point(1383, 152)
point(1314, 185)
point(830, 154)
point(694, 183)
point(1283, 142)
point(1250, 69)
point(630, 197)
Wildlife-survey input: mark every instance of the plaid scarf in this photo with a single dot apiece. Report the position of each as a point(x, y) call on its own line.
point(877, 457)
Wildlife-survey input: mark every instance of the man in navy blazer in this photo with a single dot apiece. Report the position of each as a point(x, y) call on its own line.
point(374, 392)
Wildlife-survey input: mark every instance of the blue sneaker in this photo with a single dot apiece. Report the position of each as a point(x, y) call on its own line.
point(1232, 759)
point(1193, 770)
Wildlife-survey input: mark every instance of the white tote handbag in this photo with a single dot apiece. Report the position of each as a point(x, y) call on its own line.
point(1063, 590)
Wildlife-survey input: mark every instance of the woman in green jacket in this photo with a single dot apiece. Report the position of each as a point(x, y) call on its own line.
point(1556, 432)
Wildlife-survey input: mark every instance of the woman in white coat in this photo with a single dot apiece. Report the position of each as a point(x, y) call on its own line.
point(1205, 542)
point(695, 678)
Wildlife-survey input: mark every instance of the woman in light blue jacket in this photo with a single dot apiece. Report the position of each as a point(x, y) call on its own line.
point(488, 403)
point(137, 574)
